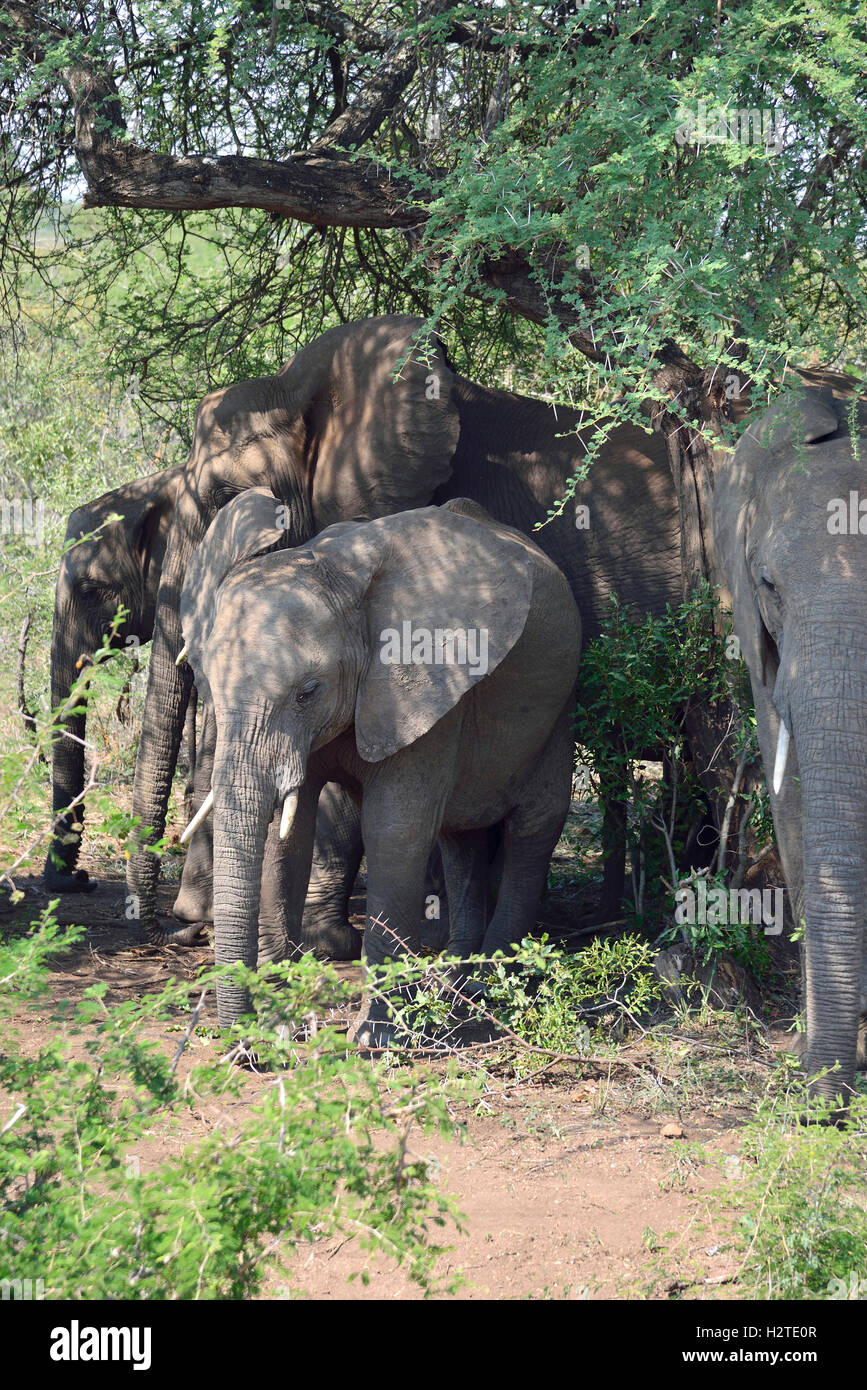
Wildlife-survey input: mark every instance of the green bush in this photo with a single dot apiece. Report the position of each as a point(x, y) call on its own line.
point(637, 682)
point(322, 1151)
point(798, 1192)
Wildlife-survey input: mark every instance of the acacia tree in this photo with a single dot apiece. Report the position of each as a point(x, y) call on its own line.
point(673, 195)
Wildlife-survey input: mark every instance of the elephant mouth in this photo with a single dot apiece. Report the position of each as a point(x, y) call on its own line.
point(287, 814)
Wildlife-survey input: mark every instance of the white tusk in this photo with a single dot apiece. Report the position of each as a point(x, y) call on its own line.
point(182, 654)
point(782, 755)
point(290, 806)
point(203, 812)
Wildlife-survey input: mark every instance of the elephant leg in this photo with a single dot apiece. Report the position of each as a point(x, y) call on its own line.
point(398, 840)
point(465, 863)
point(436, 923)
point(530, 834)
point(194, 902)
point(326, 930)
point(861, 1056)
point(190, 741)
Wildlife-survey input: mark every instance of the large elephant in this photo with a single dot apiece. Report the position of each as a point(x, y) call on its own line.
point(118, 564)
point(790, 543)
point(426, 661)
point(336, 438)
point(338, 433)
point(515, 456)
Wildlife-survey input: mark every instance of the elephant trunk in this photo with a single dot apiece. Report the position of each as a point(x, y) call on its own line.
point(245, 795)
point(168, 695)
point(829, 732)
point(68, 641)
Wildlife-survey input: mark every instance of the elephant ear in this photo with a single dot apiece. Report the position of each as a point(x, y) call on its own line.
point(380, 417)
point(780, 435)
point(445, 595)
point(799, 417)
point(149, 532)
point(251, 524)
point(732, 515)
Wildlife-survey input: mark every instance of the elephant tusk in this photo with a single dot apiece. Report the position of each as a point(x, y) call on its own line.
point(203, 812)
point(782, 755)
point(182, 654)
point(290, 806)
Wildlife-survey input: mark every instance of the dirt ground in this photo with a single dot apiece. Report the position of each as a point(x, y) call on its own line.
point(569, 1184)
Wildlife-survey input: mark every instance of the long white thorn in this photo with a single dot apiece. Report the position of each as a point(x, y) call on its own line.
point(203, 812)
point(290, 806)
point(782, 756)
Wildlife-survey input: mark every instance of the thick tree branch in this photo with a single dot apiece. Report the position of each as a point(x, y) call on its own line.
point(320, 190)
point(377, 100)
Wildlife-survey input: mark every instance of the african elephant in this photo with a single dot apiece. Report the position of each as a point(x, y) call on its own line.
point(119, 565)
point(790, 544)
point(335, 435)
point(343, 660)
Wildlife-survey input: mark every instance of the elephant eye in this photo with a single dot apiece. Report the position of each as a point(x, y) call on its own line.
point(223, 495)
point(306, 692)
point(768, 586)
point(93, 593)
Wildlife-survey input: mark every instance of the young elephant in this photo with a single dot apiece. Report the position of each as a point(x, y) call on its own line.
point(426, 661)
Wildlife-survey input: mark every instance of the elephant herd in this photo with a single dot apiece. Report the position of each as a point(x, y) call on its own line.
point(342, 575)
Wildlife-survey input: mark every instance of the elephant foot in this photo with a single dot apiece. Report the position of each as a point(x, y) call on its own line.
point(331, 941)
point(244, 1055)
point(78, 882)
point(467, 988)
point(193, 906)
point(152, 934)
point(375, 1035)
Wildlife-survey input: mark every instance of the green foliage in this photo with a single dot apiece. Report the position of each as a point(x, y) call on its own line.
point(636, 683)
point(322, 1150)
point(800, 1224)
point(745, 940)
point(566, 135)
point(535, 995)
point(578, 1003)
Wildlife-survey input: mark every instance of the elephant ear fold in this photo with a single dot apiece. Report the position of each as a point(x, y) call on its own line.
point(445, 597)
point(802, 416)
point(150, 532)
point(380, 416)
point(251, 524)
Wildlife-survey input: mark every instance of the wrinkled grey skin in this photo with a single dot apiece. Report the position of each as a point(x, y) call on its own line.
point(515, 457)
point(120, 566)
point(799, 601)
point(334, 437)
point(288, 646)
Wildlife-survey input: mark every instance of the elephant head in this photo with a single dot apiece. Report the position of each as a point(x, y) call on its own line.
point(783, 509)
point(118, 566)
point(295, 650)
point(360, 423)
